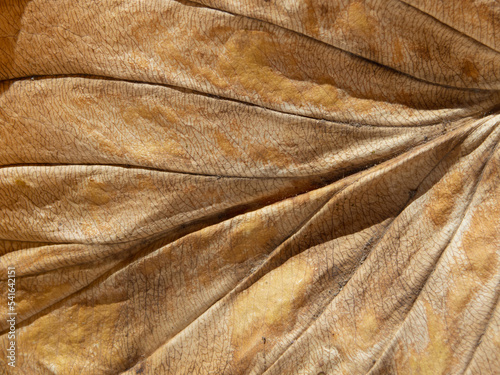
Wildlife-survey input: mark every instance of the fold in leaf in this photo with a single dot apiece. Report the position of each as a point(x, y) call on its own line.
point(250, 187)
point(185, 45)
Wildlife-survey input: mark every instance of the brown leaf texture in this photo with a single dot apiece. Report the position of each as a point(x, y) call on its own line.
point(250, 187)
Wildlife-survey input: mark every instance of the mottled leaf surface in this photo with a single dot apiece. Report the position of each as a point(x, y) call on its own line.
point(251, 187)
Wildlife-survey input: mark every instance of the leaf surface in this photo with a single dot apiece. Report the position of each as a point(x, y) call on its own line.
point(250, 187)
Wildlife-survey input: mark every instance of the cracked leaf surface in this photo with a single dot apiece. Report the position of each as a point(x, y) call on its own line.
point(250, 187)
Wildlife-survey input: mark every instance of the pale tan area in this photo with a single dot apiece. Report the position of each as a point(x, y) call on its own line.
point(251, 187)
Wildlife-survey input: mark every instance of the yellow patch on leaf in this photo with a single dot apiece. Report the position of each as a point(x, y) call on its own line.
point(269, 307)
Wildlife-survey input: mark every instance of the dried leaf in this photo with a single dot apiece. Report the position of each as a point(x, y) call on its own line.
point(250, 187)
